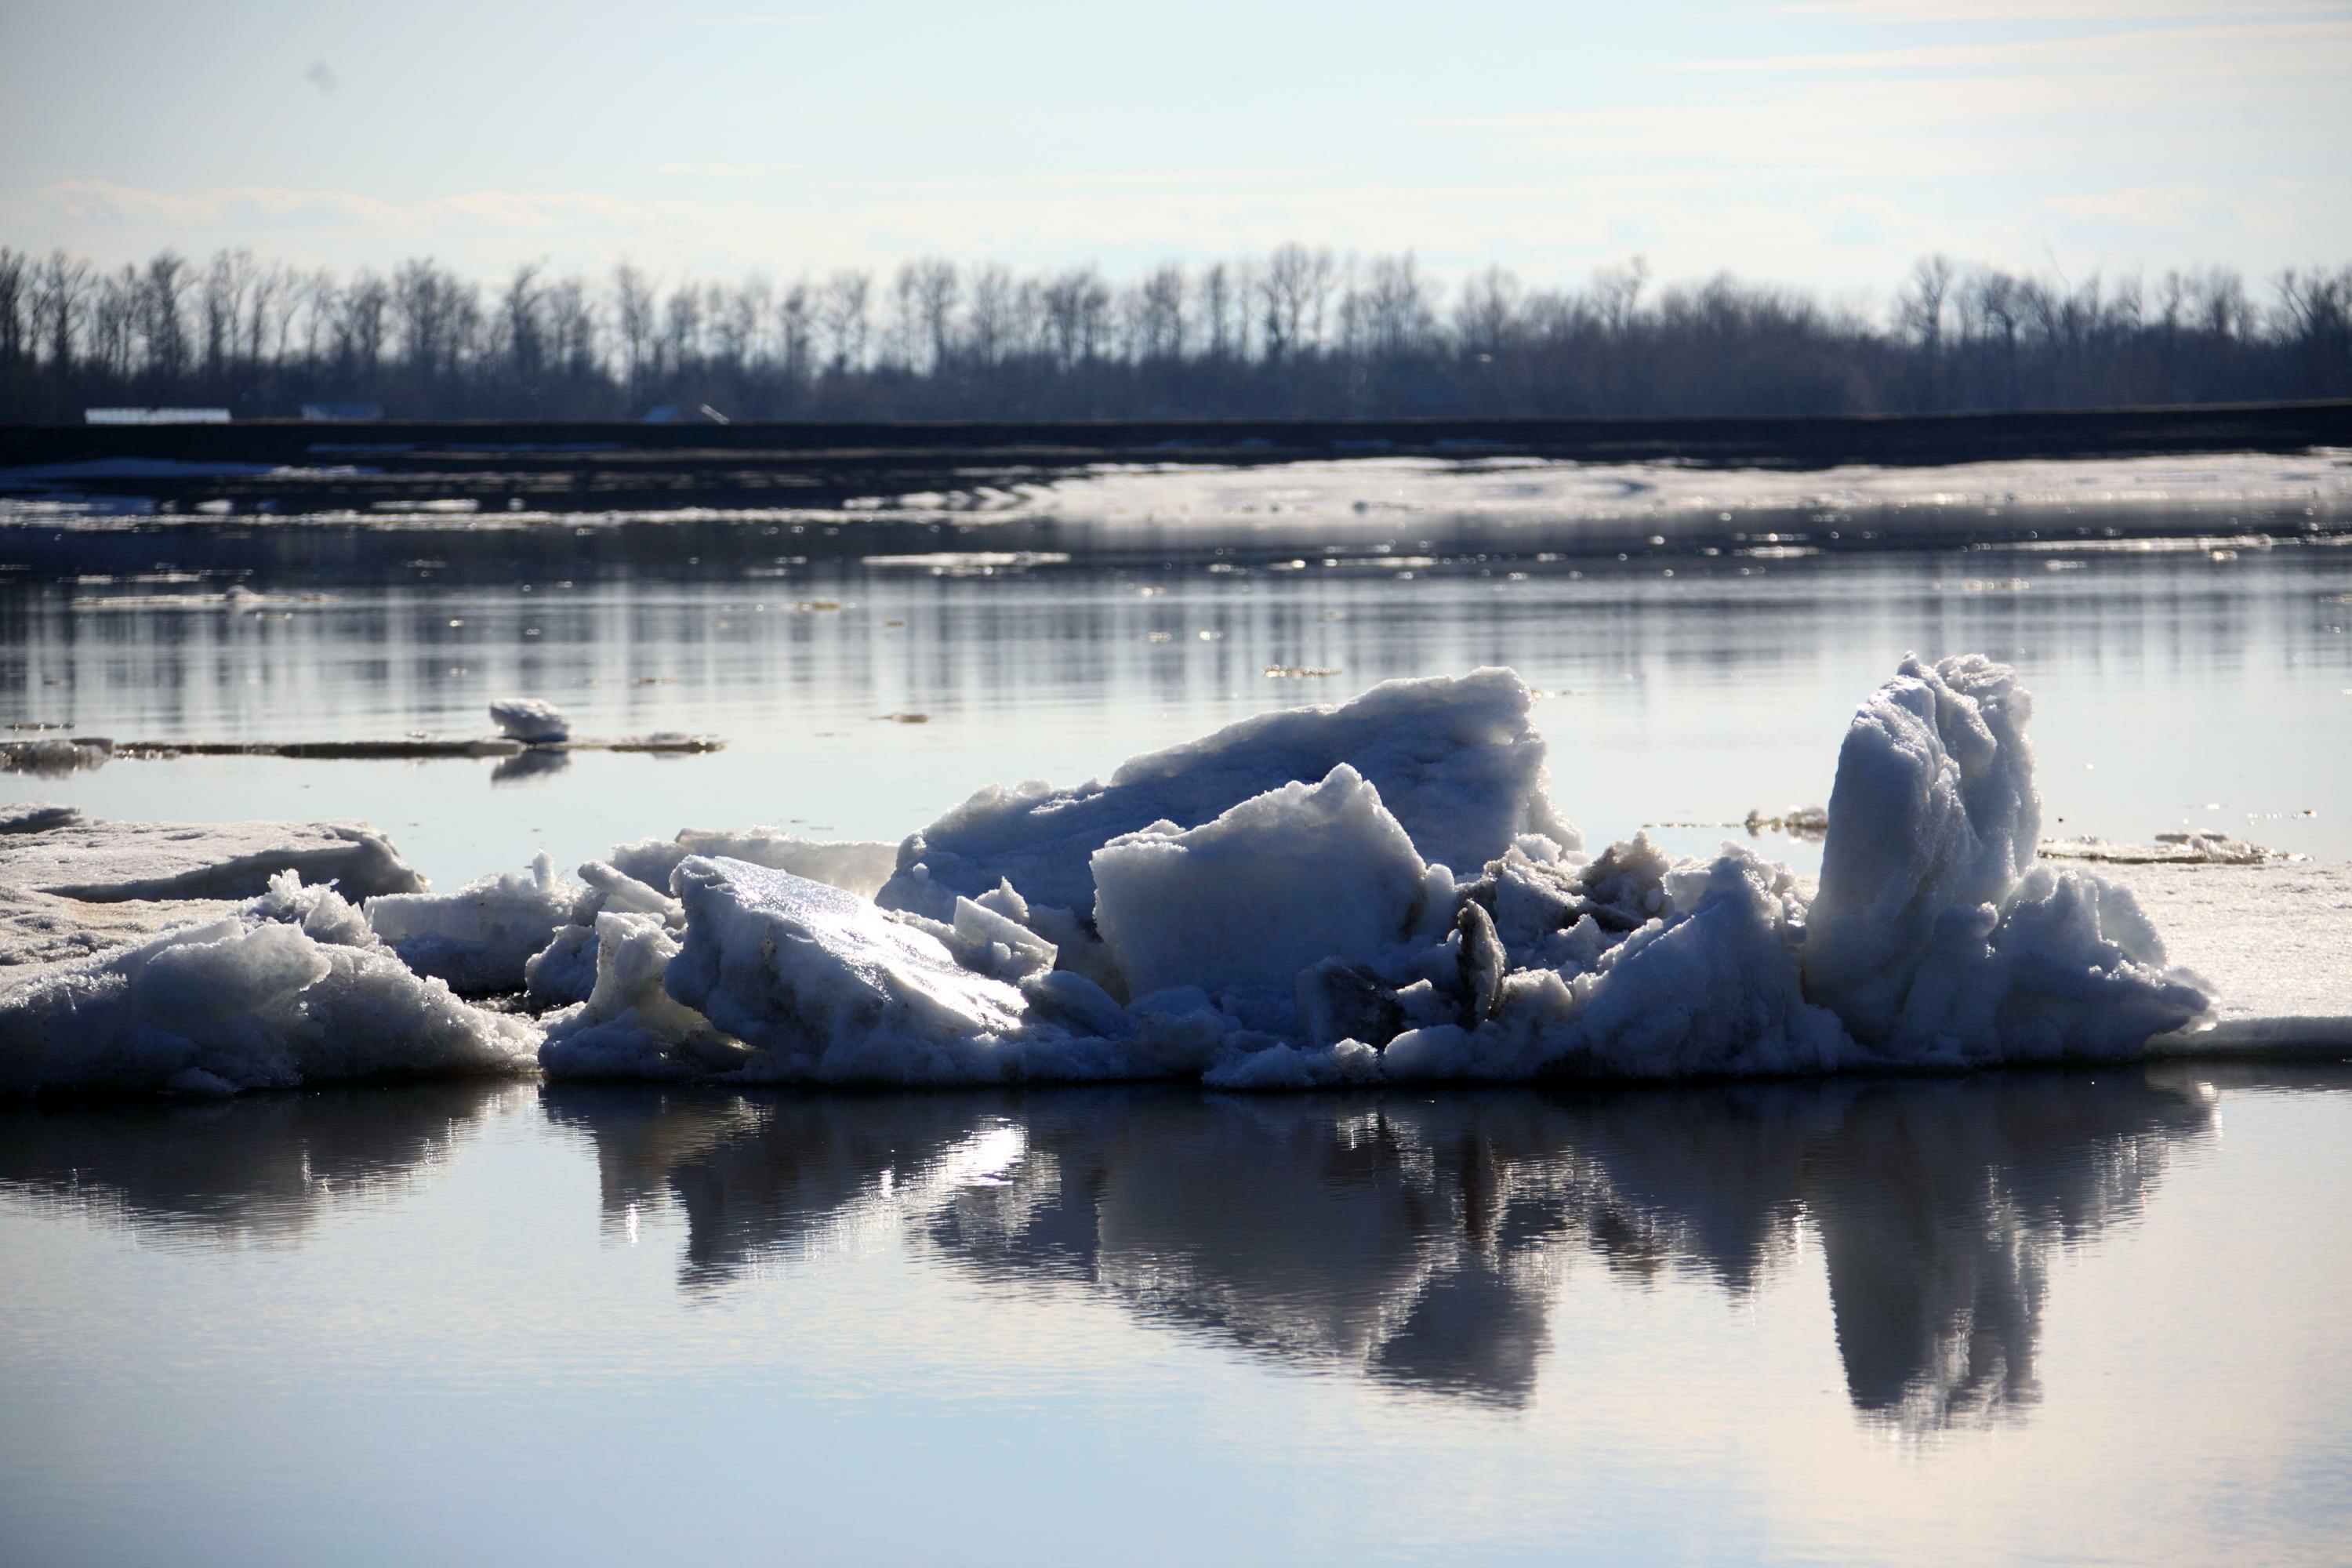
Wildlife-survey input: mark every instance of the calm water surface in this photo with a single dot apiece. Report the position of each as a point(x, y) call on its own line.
point(2050, 1317)
point(2078, 1317)
point(2176, 690)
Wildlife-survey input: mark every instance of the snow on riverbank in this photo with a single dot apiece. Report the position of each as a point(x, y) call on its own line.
point(1381, 891)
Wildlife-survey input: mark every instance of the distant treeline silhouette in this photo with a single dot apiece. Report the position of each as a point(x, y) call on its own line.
point(1295, 333)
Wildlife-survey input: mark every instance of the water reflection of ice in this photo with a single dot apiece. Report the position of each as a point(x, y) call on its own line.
point(264, 1168)
point(1419, 1242)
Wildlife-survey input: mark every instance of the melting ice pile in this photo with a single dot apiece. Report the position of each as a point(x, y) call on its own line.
point(1379, 891)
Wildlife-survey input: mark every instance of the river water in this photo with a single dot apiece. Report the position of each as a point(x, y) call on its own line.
point(2029, 1316)
point(2187, 689)
point(2023, 1317)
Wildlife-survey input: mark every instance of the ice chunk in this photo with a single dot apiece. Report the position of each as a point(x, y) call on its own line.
point(480, 938)
point(1341, 1001)
point(989, 943)
point(323, 914)
point(1455, 758)
point(36, 816)
point(2067, 968)
point(530, 721)
point(634, 878)
point(827, 983)
point(243, 1002)
point(849, 864)
point(1928, 937)
point(1300, 873)
point(1934, 806)
point(617, 890)
point(54, 756)
point(830, 988)
point(630, 1027)
point(1711, 988)
point(565, 969)
point(110, 861)
point(37, 929)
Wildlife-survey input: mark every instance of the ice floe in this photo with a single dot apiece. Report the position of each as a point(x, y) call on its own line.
point(529, 721)
point(274, 994)
point(480, 938)
point(102, 862)
point(1375, 892)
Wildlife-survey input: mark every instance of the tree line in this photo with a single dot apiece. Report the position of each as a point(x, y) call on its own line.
point(1298, 332)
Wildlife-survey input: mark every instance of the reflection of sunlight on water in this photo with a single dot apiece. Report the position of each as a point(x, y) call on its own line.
point(985, 1159)
point(1687, 700)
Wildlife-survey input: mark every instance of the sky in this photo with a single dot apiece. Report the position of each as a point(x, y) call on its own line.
point(1825, 143)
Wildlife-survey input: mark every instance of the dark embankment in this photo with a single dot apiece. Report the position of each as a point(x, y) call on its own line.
point(613, 466)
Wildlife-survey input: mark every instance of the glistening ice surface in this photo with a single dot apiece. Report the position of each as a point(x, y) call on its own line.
point(2018, 1317)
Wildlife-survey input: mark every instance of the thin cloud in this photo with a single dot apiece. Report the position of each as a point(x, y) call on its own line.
point(2154, 209)
point(2300, 48)
point(2051, 10)
point(725, 171)
point(1133, 180)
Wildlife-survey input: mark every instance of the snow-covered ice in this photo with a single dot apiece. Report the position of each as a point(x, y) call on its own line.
point(1455, 758)
point(479, 938)
point(109, 861)
point(1936, 934)
point(290, 989)
point(1377, 892)
point(1280, 882)
point(1319, 498)
point(849, 864)
point(530, 721)
point(36, 816)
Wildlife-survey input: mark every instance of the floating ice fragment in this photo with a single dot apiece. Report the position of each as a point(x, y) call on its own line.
point(1276, 900)
point(629, 1026)
point(825, 982)
point(36, 816)
point(530, 721)
point(1299, 874)
point(248, 1001)
point(114, 861)
point(1934, 935)
point(480, 938)
point(1454, 760)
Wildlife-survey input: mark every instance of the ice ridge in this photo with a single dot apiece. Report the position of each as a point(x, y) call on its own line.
point(1379, 891)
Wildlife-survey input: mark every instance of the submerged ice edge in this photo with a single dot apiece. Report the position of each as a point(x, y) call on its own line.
point(1272, 907)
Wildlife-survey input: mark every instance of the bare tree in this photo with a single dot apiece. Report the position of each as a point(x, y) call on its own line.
point(1217, 309)
point(1399, 320)
point(64, 283)
point(1163, 297)
point(15, 300)
point(519, 324)
point(1617, 295)
point(633, 300)
point(1486, 320)
point(993, 314)
point(162, 321)
point(848, 294)
point(937, 291)
point(796, 332)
